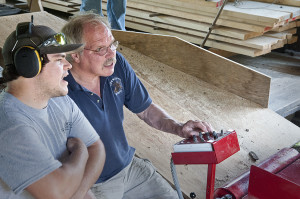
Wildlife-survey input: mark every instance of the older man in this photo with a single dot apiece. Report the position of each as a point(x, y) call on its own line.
point(101, 83)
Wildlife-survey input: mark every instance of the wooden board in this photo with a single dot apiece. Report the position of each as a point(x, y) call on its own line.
point(282, 35)
point(287, 26)
point(189, 24)
point(201, 63)
point(285, 73)
point(283, 2)
point(230, 11)
point(194, 36)
point(198, 40)
point(197, 17)
point(35, 5)
point(186, 97)
point(58, 5)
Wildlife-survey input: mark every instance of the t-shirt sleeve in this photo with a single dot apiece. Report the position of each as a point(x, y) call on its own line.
point(137, 98)
point(21, 162)
point(81, 127)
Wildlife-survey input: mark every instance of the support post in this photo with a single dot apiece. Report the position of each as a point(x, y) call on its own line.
point(210, 186)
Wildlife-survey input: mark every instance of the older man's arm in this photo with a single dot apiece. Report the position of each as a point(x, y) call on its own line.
point(158, 118)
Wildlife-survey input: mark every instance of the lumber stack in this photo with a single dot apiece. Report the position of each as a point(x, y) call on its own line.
point(250, 28)
point(67, 6)
point(240, 29)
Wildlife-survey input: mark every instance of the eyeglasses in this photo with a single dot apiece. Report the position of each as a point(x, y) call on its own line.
point(103, 50)
point(58, 39)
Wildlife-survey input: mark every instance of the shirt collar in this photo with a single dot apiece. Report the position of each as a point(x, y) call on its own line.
point(73, 85)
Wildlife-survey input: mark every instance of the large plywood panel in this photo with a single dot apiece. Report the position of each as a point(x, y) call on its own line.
point(200, 63)
point(186, 97)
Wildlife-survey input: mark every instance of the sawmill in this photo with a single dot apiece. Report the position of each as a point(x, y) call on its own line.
point(233, 63)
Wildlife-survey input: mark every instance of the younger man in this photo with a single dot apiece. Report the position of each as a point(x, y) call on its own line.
point(48, 149)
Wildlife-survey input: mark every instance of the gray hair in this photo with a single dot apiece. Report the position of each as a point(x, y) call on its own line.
point(73, 30)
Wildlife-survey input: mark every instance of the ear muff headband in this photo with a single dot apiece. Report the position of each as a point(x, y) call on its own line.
point(27, 62)
point(39, 60)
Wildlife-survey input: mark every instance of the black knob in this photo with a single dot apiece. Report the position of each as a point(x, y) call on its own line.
point(192, 195)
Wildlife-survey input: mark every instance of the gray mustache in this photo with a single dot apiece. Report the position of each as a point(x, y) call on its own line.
point(110, 60)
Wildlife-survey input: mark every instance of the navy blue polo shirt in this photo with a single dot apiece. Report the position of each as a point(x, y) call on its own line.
point(106, 115)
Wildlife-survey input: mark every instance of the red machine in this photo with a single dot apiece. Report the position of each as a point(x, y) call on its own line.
point(278, 177)
point(208, 149)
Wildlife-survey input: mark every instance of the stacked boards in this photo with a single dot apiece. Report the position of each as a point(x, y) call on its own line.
point(68, 6)
point(245, 27)
point(185, 95)
point(248, 28)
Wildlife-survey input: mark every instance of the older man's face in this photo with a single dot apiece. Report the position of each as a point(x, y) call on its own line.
point(91, 59)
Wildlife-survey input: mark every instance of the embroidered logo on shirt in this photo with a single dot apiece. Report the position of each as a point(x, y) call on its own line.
point(67, 128)
point(116, 85)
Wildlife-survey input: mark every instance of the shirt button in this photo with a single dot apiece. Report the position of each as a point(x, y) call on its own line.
point(98, 101)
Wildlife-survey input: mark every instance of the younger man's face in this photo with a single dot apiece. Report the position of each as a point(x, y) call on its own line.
point(51, 78)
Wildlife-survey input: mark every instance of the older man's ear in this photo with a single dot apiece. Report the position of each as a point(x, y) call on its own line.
point(75, 57)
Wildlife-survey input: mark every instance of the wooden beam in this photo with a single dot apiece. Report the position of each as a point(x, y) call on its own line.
point(200, 18)
point(61, 8)
point(282, 35)
point(200, 63)
point(282, 2)
point(222, 53)
point(188, 24)
point(35, 5)
point(284, 27)
point(198, 40)
point(260, 42)
point(230, 11)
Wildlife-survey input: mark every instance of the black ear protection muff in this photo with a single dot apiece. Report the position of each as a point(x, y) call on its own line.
point(26, 58)
point(27, 61)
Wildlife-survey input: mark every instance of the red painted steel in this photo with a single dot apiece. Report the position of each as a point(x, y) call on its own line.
point(210, 185)
point(265, 185)
point(292, 172)
point(223, 148)
point(238, 188)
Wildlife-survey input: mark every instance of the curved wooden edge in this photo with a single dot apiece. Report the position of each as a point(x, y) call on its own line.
point(203, 64)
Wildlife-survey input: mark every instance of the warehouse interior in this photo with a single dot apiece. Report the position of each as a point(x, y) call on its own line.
point(245, 77)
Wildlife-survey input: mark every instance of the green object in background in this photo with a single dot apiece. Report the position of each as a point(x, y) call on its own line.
point(297, 146)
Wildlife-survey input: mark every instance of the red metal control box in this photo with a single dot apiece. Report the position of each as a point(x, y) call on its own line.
point(222, 148)
point(206, 149)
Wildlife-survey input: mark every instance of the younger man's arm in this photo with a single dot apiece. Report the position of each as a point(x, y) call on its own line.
point(63, 182)
point(93, 168)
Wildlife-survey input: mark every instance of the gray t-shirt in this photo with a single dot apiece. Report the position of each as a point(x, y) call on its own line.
point(33, 140)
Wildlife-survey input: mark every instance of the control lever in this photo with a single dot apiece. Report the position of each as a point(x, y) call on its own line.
point(201, 137)
point(215, 135)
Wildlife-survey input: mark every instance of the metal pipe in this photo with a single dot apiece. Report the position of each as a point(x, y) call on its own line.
point(213, 24)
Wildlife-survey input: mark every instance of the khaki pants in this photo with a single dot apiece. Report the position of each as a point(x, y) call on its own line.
point(139, 180)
